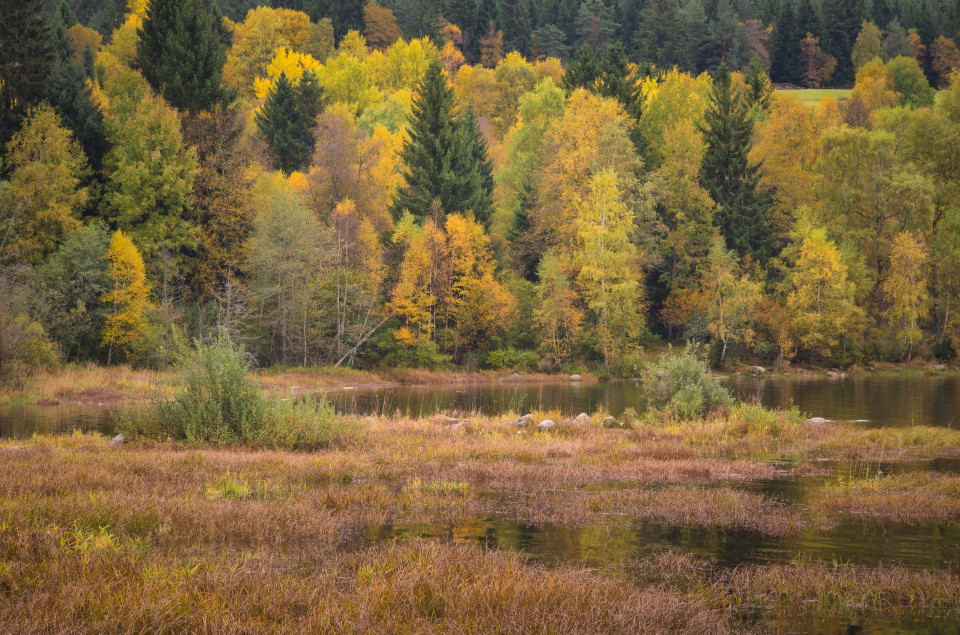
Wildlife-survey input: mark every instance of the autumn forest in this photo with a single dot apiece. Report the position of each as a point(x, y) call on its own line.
point(502, 184)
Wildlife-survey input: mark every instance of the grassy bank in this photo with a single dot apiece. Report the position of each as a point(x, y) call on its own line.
point(171, 536)
point(93, 384)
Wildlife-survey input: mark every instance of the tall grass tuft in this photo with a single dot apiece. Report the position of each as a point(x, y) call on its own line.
point(220, 404)
point(681, 386)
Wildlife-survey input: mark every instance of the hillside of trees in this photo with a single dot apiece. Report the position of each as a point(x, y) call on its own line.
point(492, 184)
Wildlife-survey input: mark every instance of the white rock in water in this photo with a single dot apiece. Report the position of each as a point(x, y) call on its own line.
point(574, 377)
point(817, 420)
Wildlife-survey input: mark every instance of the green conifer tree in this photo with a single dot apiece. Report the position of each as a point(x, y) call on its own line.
point(727, 173)
point(759, 92)
point(659, 37)
point(583, 70)
point(446, 169)
point(180, 54)
point(287, 120)
point(27, 54)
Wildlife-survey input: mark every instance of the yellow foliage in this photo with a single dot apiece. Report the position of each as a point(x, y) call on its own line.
point(288, 62)
point(906, 289)
point(550, 67)
point(129, 296)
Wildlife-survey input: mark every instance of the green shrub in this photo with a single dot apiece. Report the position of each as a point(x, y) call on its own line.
point(681, 386)
point(220, 404)
point(308, 424)
point(511, 358)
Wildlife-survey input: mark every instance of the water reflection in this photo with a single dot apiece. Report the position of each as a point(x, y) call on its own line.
point(618, 540)
point(21, 422)
point(875, 401)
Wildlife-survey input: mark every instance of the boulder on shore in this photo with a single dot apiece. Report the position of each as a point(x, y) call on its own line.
point(522, 421)
point(546, 425)
point(582, 418)
point(574, 377)
point(117, 440)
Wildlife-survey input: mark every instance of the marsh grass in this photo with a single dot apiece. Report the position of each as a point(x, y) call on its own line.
point(909, 498)
point(90, 384)
point(178, 537)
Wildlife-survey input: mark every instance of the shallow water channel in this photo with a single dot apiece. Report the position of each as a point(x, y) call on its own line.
point(620, 541)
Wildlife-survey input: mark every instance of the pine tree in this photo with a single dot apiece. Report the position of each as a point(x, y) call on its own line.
point(728, 174)
point(179, 52)
point(446, 169)
point(27, 55)
point(549, 41)
point(617, 80)
point(287, 120)
point(476, 173)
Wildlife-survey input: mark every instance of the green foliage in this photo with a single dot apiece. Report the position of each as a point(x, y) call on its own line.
point(287, 119)
point(220, 404)
point(759, 92)
point(27, 56)
point(151, 173)
point(511, 358)
point(179, 52)
point(74, 278)
point(445, 164)
point(730, 177)
point(681, 386)
point(910, 82)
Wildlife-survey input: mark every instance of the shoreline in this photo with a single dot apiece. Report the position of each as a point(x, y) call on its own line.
point(123, 385)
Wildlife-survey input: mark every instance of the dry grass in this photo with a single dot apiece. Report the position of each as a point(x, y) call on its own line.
point(750, 431)
point(423, 587)
point(837, 590)
point(90, 385)
point(677, 506)
point(167, 537)
point(910, 498)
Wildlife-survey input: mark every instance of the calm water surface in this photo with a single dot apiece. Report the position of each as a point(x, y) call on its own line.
point(875, 401)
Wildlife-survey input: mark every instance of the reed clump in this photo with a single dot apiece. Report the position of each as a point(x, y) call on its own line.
point(220, 404)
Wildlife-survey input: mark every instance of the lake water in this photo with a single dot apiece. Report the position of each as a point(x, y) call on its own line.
point(872, 400)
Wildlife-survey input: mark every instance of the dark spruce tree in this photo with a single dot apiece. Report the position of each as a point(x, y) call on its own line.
point(27, 55)
point(69, 95)
point(472, 171)
point(287, 120)
point(728, 174)
point(785, 47)
point(346, 15)
point(445, 165)
point(181, 55)
point(616, 79)
point(659, 38)
point(759, 91)
point(583, 70)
